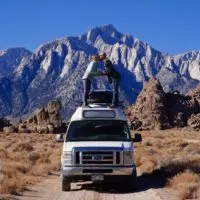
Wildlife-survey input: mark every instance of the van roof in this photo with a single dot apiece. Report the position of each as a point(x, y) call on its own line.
point(98, 112)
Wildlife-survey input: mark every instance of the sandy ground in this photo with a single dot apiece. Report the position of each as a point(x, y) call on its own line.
point(50, 189)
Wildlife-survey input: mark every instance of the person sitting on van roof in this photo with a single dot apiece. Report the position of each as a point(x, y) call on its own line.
point(90, 73)
point(113, 77)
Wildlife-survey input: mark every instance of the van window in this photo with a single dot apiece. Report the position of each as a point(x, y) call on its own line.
point(98, 130)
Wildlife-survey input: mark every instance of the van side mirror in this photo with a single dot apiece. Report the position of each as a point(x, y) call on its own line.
point(137, 138)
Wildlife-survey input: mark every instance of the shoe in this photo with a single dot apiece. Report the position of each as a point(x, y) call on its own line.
point(112, 106)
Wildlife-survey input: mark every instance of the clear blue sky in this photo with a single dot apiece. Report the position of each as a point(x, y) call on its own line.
point(171, 26)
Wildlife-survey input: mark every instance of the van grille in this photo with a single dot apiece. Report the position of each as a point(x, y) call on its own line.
point(97, 157)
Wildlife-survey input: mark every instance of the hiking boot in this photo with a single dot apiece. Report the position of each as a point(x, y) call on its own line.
point(85, 105)
point(112, 106)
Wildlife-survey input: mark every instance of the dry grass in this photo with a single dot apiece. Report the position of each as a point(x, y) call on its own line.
point(188, 183)
point(172, 153)
point(25, 158)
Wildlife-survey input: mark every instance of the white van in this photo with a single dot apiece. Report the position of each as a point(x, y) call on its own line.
point(98, 147)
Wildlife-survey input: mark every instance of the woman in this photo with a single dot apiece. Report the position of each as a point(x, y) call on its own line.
point(90, 73)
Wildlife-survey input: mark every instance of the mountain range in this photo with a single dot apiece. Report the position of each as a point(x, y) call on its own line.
point(30, 80)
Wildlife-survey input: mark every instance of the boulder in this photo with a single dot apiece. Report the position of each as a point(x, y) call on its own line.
point(53, 109)
point(9, 129)
point(51, 128)
point(179, 108)
point(194, 122)
point(42, 116)
point(195, 93)
point(42, 129)
point(22, 128)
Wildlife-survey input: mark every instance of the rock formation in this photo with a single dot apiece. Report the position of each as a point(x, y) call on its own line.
point(194, 122)
point(149, 111)
point(155, 109)
point(195, 93)
point(44, 120)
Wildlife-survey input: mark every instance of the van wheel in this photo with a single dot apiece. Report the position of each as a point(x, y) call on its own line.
point(66, 185)
point(132, 181)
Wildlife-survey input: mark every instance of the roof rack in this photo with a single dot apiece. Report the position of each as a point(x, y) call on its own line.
point(100, 97)
point(80, 103)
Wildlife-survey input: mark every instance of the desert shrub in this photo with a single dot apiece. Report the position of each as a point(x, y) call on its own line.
point(3, 153)
point(9, 169)
point(187, 183)
point(10, 185)
point(40, 170)
point(171, 168)
point(23, 146)
point(44, 158)
point(7, 144)
point(152, 151)
point(148, 167)
point(183, 144)
point(33, 156)
point(22, 167)
point(159, 135)
point(18, 156)
point(148, 143)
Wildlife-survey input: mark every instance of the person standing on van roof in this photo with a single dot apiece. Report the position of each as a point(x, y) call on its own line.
point(113, 77)
point(90, 73)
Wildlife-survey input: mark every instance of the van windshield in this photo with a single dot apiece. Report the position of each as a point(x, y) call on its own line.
point(98, 130)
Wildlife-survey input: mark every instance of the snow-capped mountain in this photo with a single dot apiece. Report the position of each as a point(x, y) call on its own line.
point(10, 59)
point(29, 80)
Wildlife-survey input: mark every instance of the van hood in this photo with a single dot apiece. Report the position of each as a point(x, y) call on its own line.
point(69, 146)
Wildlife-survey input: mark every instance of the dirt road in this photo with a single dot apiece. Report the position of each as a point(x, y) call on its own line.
point(50, 189)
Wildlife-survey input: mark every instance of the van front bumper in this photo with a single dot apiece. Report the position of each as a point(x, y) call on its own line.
point(84, 173)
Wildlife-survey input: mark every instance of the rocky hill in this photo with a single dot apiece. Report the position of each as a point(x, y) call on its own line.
point(30, 80)
point(156, 109)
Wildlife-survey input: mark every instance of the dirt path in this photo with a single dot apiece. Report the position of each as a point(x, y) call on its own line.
point(50, 189)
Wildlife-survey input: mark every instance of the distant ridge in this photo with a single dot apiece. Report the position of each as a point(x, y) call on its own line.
point(30, 80)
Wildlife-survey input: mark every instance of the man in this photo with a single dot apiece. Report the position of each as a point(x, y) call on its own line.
point(113, 77)
point(90, 73)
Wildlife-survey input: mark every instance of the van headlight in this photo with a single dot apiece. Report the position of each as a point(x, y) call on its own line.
point(128, 157)
point(66, 158)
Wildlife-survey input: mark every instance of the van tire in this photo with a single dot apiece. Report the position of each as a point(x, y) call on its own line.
point(66, 185)
point(132, 181)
